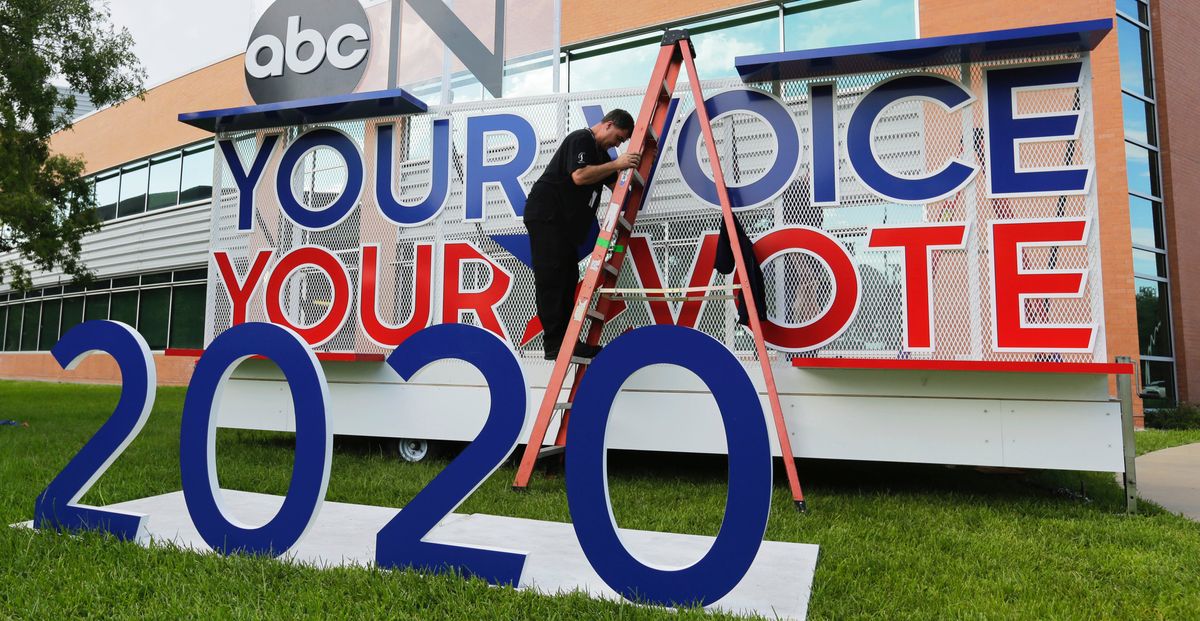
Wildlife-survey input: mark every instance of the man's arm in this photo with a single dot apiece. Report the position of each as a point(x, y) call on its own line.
point(589, 175)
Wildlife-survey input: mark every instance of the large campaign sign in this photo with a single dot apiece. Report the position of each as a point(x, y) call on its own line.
point(945, 213)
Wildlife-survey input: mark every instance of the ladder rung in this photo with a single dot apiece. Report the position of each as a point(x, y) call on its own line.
point(612, 269)
point(637, 176)
point(562, 405)
point(651, 134)
point(580, 360)
point(626, 224)
point(550, 451)
point(665, 90)
point(595, 314)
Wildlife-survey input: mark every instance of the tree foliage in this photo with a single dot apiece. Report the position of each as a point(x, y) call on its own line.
point(45, 205)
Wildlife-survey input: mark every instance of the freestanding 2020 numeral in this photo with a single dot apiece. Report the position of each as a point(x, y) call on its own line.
point(56, 506)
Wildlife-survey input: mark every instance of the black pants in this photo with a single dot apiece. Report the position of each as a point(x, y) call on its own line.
point(555, 276)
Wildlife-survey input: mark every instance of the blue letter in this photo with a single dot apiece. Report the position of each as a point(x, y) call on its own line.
point(336, 211)
point(439, 185)
point(780, 173)
point(1006, 132)
point(824, 161)
point(247, 182)
point(508, 174)
point(947, 181)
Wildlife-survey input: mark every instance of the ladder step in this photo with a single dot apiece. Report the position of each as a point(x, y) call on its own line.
point(562, 405)
point(653, 135)
point(550, 451)
point(595, 314)
point(612, 269)
point(637, 176)
point(625, 224)
point(580, 360)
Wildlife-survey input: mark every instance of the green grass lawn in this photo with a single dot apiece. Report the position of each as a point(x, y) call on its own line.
point(897, 541)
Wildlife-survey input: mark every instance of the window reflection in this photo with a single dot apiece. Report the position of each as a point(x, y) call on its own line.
point(164, 182)
point(1154, 326)
point(1134, 44)
point(133, 189)
point(811, 25)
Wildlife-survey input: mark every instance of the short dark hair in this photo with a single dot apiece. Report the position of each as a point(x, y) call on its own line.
point(620, 118)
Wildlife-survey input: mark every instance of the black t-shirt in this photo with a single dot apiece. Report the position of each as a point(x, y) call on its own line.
point(555, 198)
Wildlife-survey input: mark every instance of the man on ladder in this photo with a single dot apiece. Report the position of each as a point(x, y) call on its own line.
point(559, 213)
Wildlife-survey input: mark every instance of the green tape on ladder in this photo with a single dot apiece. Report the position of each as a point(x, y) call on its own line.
point(604, 243)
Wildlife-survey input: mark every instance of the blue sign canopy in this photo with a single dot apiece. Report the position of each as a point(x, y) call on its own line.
point(303, 111)
point(977, 47)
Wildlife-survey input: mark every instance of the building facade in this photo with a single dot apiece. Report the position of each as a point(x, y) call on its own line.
point(153, 176)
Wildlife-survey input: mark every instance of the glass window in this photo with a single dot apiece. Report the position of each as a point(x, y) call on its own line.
point(152, 316)
point(1146, 263)
point(127, 281)
point(30, 325)
point(154, 279)
point(72, 313)
point(1145, 218)
point(133, 190)
point(1154, 326)
point(1139, 120)
point(51, 309)
point(717, 46)
point(107, 193)
point(96, 308)
point(1141, 166)
point(1134, 9)
point(530, 77)
point(1134, 43)
point(99, 284)
point(3, 323)
point(811, 26)
point(197, 175)
point(124, 308)
point(622, 65)
point(187, 317)
point(164, 181)
point(1158, 383)
point(194, 274)
point(12, 330)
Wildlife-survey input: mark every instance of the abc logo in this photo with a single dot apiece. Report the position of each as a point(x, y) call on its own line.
point(302, 49)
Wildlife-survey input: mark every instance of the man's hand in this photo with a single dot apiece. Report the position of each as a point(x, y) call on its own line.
point(628, 160)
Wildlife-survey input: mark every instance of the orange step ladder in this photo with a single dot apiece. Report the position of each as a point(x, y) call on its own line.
point(605, 263)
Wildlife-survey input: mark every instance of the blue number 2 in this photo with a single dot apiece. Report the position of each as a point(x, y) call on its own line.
point(56, 506)
point(399, 543)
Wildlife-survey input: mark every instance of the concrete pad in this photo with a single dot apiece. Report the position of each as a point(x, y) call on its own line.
point(1171, 478)
point(778, 584)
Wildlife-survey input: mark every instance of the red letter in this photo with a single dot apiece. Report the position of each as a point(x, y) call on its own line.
point(241, 290)
point(339, 306)
point(918, 242)
point(481, 302)
point(1012, 285)
point(838, 313)
point(368, 297)
point(646, 269)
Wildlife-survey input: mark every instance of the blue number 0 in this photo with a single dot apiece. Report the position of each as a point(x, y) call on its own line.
point(748, 499)
point(55, 507)
point(399, 543)
point(198, 435)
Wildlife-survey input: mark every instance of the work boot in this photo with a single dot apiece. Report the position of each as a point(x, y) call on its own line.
point(582, 350)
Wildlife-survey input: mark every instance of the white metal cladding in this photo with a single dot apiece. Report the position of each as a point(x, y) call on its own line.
point(168, 239)
point(912, 138)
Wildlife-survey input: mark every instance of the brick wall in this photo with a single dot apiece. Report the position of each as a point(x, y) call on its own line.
point(1174, 24)
point(95, 369)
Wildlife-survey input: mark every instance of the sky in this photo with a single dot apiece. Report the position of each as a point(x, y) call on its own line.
point(172, 38)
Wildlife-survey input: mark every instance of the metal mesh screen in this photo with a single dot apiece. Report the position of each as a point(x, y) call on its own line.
point(911, 138)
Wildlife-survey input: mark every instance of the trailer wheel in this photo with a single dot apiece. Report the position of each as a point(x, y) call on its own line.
point(413, 450)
